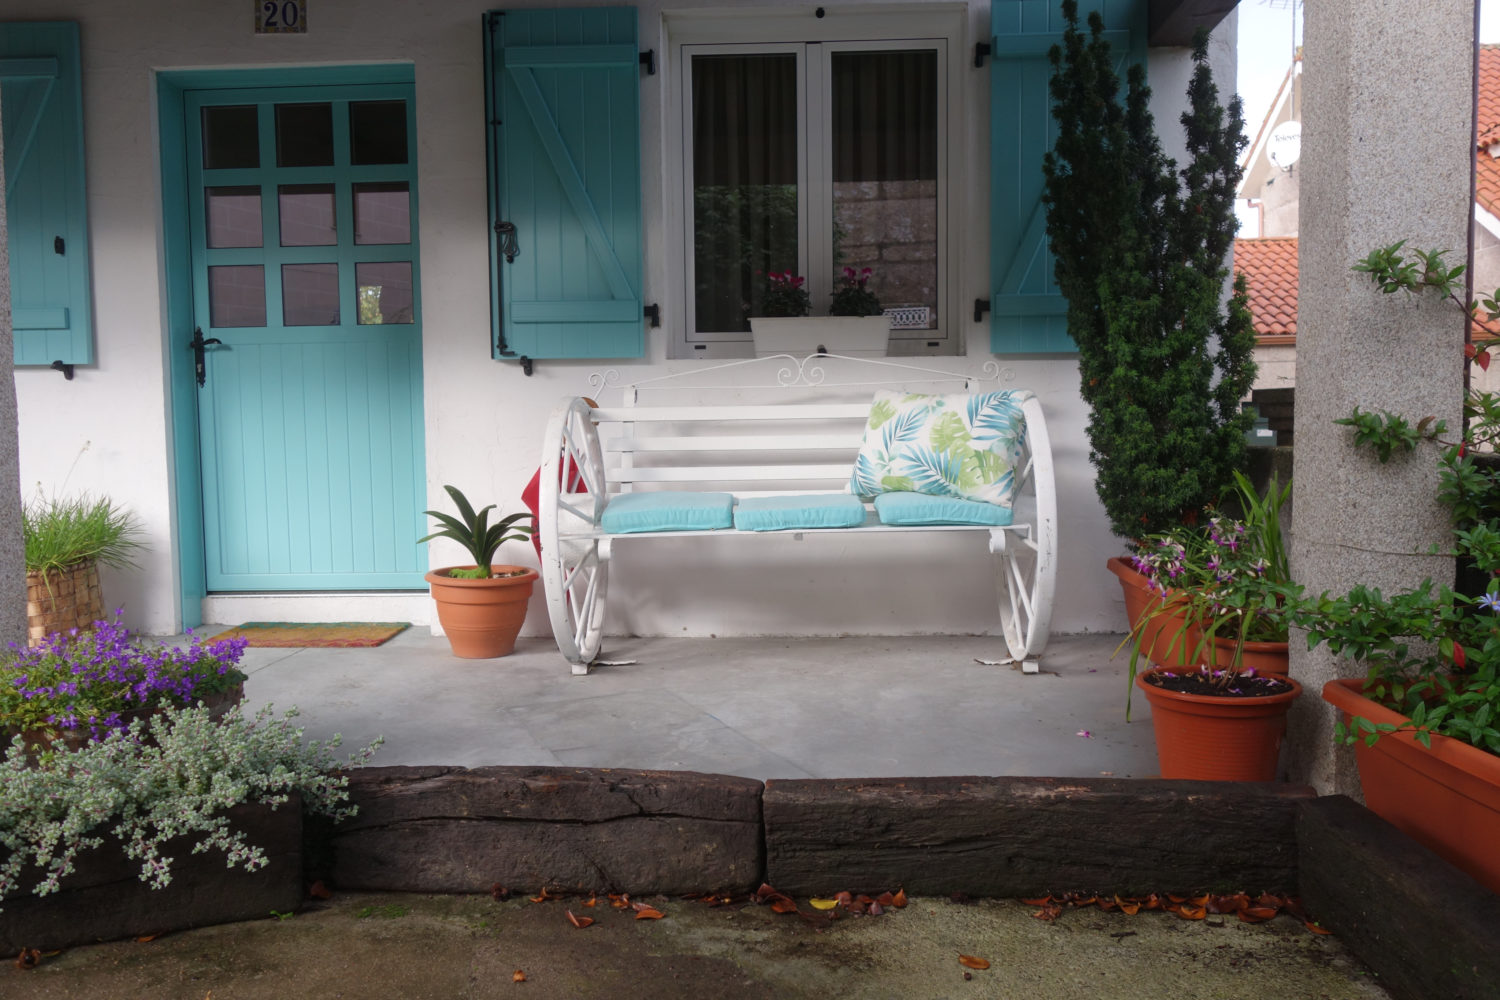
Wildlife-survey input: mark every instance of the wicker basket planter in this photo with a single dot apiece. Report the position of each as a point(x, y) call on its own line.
point(62, 599)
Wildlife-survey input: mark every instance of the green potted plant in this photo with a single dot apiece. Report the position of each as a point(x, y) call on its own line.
point(121, 816)
point(1220, 695)
point(67, 539)
point(1423, 718)
point(1141, 248)
point(855, 325)
point(481, 606)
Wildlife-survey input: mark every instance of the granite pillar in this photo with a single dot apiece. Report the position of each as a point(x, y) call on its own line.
point(1387, 140)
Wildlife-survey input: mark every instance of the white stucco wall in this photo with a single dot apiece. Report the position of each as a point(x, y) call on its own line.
point(109, 429)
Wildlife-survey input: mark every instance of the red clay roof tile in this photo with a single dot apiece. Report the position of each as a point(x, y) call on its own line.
point(1270, 269)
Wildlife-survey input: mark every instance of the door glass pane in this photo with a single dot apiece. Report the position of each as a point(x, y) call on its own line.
point(384, 292)
point(382, 213)
point(310, 294)
point(237, 295)
point(377, 132)
point(304, 135)
point(307, 217)
point(744, 182)
point(231, 137)
point(885, 192)
point(232, 216)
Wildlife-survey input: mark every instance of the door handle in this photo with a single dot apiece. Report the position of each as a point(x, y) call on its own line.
point(197, 345)
point(508, 245)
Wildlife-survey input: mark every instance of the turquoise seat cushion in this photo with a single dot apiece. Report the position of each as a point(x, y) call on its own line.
point(827, 510)
point(668, 510)
point(919, 508)
point(963, 445)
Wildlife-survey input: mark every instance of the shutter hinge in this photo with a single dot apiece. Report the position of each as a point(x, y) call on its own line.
point(981, 306)
point(61, 366)
point(648, 60)
point(653, 313)
point(58, 246)
point(526, 365)
point(981, 49)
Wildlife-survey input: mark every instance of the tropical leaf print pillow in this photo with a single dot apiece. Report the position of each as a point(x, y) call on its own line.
point(963, 445)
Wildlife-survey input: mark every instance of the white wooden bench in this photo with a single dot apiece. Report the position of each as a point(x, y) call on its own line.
point(771, 426)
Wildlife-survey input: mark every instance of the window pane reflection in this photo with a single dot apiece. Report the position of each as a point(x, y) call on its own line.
point(377, 132)
point(310, 294)
point(384, 292)
point(307, 215)
point(232, 216)
point(885, 192)
point(744, 183)
point(237, 295)
point(231, 137)
point(304, 135)
point(382, 213)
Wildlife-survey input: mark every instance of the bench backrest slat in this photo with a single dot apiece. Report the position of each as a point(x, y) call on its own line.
point(732, 411)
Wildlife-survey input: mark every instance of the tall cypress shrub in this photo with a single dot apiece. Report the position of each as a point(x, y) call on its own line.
point(1141, 252)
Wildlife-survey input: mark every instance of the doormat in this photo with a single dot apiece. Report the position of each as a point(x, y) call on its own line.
point(315, 634)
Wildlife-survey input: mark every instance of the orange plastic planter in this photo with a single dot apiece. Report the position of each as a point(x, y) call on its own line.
point(1262, 657)
point(1446, 797)
point(482, 617)
point(1166, 641)
point(1217, 739)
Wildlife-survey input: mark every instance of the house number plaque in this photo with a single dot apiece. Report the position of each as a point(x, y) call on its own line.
point(280, 17)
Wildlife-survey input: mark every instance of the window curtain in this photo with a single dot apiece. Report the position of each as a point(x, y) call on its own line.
point(884, 116)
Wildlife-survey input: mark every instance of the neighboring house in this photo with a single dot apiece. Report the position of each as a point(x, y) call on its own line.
point(1269, 263)
point(1270, 269)
point(264, 246)
point(1271, 177)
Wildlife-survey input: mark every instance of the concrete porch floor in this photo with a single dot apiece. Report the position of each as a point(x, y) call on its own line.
point(768, 707)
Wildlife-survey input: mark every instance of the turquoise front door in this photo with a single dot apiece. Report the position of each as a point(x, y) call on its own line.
point(302, 214)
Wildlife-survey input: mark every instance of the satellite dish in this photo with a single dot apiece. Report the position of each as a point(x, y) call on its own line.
point(1285, 144)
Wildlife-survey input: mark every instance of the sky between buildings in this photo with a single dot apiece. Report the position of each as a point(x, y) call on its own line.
point(1269, 32)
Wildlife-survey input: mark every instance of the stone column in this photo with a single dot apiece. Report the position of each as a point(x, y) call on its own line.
point(12, 548)
point(1387, 140)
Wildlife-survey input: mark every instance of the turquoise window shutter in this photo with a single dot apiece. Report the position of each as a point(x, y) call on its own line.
point(41, 109)
point(1027, 313)
point(562, 94)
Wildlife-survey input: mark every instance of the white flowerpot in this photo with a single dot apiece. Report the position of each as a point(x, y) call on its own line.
point(800, 336)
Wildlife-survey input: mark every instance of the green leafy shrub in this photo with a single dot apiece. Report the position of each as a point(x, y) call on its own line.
point(60, 532)
point(172, 775)
point(1141, 252)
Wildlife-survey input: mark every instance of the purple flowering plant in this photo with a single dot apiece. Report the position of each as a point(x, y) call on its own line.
point(784, 294)
point(97, 678)
point(1225, 578)
point(852, 295)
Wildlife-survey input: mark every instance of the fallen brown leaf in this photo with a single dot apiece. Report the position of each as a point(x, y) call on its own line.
point(648, 913)
point(591, 901)
point(518, 976)
point(577, 921)
point(875, 909)
point(1189, 912)
point(1312, 926)
point(29, 959)
point(319, 891)
point(1256, 914)
point(1128, 905)
point(899, 900)
point(969, 961)
point(886, 899)
point(619, 900)
point(1036, 900)
point(147, 937)
point(543, 897)
point(822, 904)
point(783, 904)
point(498, 891)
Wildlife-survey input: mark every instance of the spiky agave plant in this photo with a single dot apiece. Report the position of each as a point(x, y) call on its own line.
point(475, 533)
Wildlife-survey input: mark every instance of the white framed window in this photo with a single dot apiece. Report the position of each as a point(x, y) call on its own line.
point(811, 145)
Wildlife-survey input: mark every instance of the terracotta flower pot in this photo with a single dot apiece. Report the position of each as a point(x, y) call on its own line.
point(1262, 657)
point(1446, 797)
point(1166, 639)
point(482, 617)
point(1208, 738)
